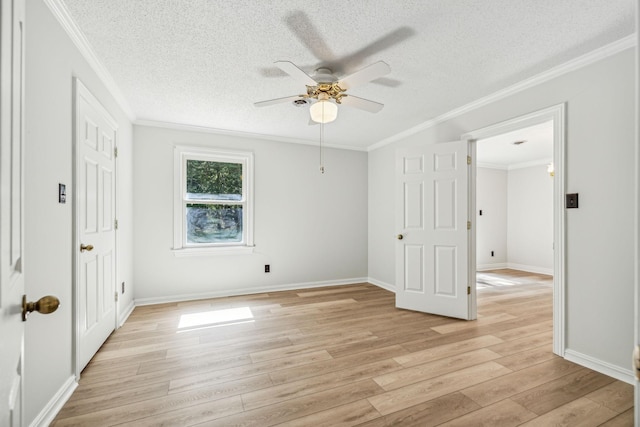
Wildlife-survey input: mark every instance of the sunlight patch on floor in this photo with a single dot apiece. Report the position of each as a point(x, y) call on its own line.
point(215, 318)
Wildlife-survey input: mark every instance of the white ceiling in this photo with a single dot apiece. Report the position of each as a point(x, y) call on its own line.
point(205, 62)
point(501, 152)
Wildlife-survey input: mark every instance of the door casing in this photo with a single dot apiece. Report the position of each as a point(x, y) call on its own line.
point(556, 114)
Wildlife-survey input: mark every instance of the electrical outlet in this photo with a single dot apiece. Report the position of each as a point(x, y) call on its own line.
point(123, 287)
point(267, 268)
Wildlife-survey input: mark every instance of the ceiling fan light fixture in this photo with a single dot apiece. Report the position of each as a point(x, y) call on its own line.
point(323, 111)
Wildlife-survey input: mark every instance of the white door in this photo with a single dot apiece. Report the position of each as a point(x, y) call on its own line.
point(432, 253)
point(95, 143)
point(11, 215)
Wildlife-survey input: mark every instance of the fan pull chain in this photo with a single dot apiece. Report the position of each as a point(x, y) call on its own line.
point(321, 142)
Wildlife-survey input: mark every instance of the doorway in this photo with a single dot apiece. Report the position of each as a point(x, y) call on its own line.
point(553, 118)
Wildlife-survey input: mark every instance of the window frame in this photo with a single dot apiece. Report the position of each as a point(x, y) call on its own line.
point(184, 153)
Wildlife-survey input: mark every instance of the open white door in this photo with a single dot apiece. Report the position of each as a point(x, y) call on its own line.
point(432, 214)
point(95, 257)
point(11, 214)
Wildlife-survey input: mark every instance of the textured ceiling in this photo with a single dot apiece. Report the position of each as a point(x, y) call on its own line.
point(205, 62)
point(500, 151)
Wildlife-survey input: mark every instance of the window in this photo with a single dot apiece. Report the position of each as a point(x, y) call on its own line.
point(213, 201)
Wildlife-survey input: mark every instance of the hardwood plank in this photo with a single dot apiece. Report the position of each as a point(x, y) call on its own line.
point(191, 415)
point(137, 410)
point(551, 395)
point(465, 324)
point(505, 413)
point(335, 364)
point(423, 391)
point(311, 385)
point(300, 407)
point(626, 419)
point(580, 413)
point(498, 389)
point(518, 345)
point(616, 396)
point(351, 414)
point(210, 378)
point(528, 357)
point(427, 414)
point(433, 369)
point(419, 357)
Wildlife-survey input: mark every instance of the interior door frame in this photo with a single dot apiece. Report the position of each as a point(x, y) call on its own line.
point(637, 219)
point(557, 114)
point(79, 87)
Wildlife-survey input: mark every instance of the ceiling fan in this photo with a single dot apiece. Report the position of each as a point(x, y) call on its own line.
point(324, 90)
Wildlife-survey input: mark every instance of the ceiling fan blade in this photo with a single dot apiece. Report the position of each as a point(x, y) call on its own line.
point(295, 72)
point(385, 42)
point(307, 34)
point(365, 75)
point(277, 101)
point(361, 103)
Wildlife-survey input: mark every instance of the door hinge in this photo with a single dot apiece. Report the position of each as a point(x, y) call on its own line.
point(116, 295)
point(468, 225)
point(115, 151)
point(115, 224)
point(468, 290)
point(468, 160)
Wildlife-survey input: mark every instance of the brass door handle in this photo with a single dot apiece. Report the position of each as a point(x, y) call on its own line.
point(44, 305)
point(399, 237)
point(84, 247)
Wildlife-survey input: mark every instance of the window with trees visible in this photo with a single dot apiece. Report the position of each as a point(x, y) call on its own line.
point(213, 200)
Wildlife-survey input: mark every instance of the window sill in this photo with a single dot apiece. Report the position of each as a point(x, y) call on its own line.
point(213, 251)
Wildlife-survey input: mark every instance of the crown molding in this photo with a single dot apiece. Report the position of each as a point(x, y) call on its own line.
point(78, 38)
point(240, 134)
point(575, 64)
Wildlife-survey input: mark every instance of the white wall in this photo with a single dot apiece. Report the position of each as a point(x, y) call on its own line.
point(491, 229)
point(51, 62)
point(530, 219)
point(599, 166)
point(310, 227)
point(517, 219)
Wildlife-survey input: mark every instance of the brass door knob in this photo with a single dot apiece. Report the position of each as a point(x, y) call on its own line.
point(44, 305)
point(84, 247)
point(400, 237)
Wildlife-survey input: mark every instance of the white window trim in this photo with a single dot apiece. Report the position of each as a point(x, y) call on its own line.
point(181, 154)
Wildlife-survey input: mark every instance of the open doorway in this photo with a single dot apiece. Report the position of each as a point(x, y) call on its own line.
point(555, 116)
point(514, 211)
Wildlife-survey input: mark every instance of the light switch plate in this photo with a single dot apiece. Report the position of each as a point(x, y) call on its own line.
point(62, 193)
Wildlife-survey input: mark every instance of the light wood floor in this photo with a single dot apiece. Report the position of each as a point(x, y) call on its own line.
point(343, 356)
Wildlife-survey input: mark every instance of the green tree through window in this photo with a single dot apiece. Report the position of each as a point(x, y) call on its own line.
point(217, 179)
point(214, 200)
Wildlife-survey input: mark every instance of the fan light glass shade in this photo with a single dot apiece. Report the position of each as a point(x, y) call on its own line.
point(323, 111)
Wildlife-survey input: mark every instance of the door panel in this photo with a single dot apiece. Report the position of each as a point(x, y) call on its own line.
point(96, 136)
point(11, 212)
point(432, 210)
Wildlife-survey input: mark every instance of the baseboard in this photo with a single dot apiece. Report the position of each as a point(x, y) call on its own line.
point(49, 412)
point(625, 375)
point(496, 266)
point(247, 291)
point(126, 313)
point(530, 268)
point(387, 286)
